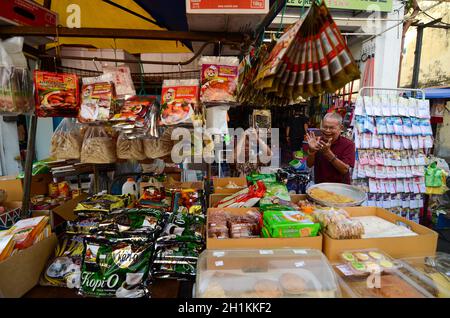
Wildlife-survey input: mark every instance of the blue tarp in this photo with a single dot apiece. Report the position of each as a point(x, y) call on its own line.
point(433, 93)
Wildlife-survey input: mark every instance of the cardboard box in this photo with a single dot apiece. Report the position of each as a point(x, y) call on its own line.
point(14, 186)
point(20, 272)
point(26, 12)
point(225, 15)
point(425, 243)
point(220, 183)
point(260, 243)
point(181, 185)
point(215, 198)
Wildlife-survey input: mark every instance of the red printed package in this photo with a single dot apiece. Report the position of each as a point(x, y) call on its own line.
point(179, 100)
point(57, 94)
point(219, 79)
point(247, 197)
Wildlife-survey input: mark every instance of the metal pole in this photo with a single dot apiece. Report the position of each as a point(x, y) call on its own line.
point(417, 55)
point(29, 166)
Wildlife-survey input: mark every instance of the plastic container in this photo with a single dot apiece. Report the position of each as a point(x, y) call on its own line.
point(401, 282)
point(130, 187)
point(435, 269)
point(256, 273)
point(363, 262)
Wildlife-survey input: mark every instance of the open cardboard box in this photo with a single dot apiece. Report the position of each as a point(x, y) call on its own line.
point(423, 244)
point(260, 243)
point(220, 184)
point(14, 186)
point(20, 272)
point(215, 198)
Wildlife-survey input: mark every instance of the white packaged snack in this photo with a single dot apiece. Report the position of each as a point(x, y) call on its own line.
point(416, 126)
point(373, 185)
point(412, 107)
point(407, 126)
point(414, 142)
point(396, 142)
point(421, 140)
point(359, 106)
point(376, 102)
point(398, 126)
point(369, 125)
point(381, 125)
point(408, 172)
point(393, 99)
point(424, 108)
point(406, 142)
point(402, 106)
point(375, 142)
point(399, 185)
point(390, 125)
point(421, 159)
point(428, 143)
point(368, 105)
point(385, 105)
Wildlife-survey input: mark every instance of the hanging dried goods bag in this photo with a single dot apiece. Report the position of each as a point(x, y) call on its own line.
point(219, 79)
point(121, 76)
point(159, 147)
point(98, 147)
point(56, 94)
point(97, 96)
point(66, 140)
point(130, 148)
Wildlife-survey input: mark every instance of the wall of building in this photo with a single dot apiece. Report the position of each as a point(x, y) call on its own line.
point(435, 58)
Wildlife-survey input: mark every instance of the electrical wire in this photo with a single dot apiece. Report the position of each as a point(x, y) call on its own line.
point(444, 23)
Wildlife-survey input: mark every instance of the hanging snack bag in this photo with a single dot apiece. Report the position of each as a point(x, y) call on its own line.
point(115, 267)
point(96, 98)
point(179, 99)
point(66, 140)
point(159, 147)
point(130, 148)
point(135, 109)
point(219, 79)
point(98, 146)
point(121, 76)
point(56, 94)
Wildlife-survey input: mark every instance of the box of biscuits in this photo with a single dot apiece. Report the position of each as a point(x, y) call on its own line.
point(265, 273)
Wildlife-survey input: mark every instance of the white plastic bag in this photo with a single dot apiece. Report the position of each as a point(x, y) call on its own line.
point(130, 148)
point(66, 140)
point(98, 146)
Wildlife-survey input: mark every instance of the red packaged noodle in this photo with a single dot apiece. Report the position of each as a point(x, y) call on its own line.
point(219, 79)
point(96, 98)
point(179, 101)
point(57, 94)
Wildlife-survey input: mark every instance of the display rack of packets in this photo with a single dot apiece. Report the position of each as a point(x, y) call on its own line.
point(393, 136)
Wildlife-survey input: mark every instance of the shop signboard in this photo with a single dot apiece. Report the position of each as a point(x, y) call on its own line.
point(364, 5)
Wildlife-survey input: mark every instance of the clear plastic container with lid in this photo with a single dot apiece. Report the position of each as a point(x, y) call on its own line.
point(265, 274)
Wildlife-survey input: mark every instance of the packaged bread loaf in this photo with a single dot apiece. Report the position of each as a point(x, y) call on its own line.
point(130, 148)
point(66, 140)
point(98, 146)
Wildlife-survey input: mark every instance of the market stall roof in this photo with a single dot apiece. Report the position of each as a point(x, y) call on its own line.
point(126, 14)
point(440, 92)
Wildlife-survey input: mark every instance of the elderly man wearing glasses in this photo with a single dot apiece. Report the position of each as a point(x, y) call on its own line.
point(331, 154)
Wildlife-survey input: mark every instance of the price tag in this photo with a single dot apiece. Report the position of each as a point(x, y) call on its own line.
point(219, 263)
point(299, 264)
point(345, 270)
point(218, 254)
point(265, 252)
point(304, 252)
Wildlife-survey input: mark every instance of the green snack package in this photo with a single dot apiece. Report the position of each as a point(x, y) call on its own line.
point(289, 224)
point(115, 267)
point(276, 193)
point(265, 232)
point(253, 177)
point(277, 207)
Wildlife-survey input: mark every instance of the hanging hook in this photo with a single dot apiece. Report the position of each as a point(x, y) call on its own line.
point(179, 67)
point(95, 64)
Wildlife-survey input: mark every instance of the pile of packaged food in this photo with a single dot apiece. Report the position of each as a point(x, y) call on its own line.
point(116, 246)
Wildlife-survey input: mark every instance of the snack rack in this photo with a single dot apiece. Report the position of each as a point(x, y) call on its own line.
point(401, 199)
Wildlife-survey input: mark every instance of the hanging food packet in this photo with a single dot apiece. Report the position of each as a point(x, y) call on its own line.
point(219, 77)
point(179, 99)
point(66, 140)
point(381, 125)
point(423, 108)
point(98, 146)
point(402, 106)
point(385, 105)
point(390, 125)
point(428, 143)
point(396, 142)
point(130, 148)
point(414, 142)
point(407, 126)
point(56, 94)
point(369, 126)
point(97, 96)
point(121, 77)
point(135, 109)
point(394, 102)
point(159, 147)
point(368, 105)
point(413, 107)
point(375, 142)
point(387, 141)
point(115, 267)
point(398, 126)
point(376, 101)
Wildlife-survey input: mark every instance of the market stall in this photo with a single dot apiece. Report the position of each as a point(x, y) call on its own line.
point(149, 233)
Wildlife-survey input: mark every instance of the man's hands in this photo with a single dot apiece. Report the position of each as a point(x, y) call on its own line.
point(324, 147)
point(313, 142)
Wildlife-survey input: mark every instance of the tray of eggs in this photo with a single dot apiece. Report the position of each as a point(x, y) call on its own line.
point(364, 262)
